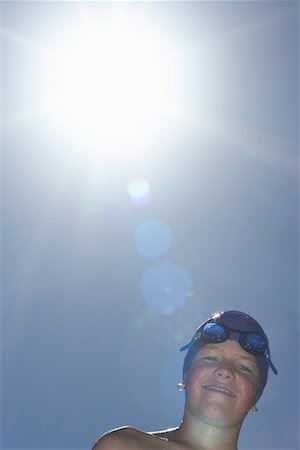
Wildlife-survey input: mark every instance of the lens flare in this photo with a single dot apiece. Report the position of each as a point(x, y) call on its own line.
point(166, 287)
point(153, 239)
point(139, 191)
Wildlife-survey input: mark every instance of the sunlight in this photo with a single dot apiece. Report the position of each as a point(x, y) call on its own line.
point(113, 82)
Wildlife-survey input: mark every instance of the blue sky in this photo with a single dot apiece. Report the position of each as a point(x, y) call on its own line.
point(150, 178)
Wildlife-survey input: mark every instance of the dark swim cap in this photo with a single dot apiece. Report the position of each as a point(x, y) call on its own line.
point(237, 322)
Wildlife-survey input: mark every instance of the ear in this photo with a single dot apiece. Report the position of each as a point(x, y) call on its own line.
point(185, 377)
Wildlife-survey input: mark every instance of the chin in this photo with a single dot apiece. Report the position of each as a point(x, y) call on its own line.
point(222, 419)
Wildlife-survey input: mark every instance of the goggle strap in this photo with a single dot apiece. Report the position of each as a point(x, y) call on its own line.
point(185, 347)
point(272, 366)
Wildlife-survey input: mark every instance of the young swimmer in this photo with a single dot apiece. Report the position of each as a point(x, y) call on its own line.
point(224, 374)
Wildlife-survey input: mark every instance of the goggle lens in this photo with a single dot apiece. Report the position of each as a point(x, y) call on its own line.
point(253, 342)
point(213, 332)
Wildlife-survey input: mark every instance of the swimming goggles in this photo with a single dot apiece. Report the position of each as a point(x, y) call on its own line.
point(212, 332)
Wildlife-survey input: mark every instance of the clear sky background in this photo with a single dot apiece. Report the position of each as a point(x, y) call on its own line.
point(150, 178)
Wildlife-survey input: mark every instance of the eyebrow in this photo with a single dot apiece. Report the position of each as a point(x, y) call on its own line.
point(249, 358)
point(210, 347)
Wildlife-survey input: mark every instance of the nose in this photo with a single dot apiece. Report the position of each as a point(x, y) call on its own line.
point(224, 372)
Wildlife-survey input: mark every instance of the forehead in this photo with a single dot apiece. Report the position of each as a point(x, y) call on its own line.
point(229, 348)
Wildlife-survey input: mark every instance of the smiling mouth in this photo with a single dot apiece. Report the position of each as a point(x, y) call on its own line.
point(221, 390)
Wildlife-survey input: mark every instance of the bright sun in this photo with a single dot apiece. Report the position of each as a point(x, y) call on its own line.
point(113, 81)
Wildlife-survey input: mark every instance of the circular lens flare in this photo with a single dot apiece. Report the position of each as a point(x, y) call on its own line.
point(166, 287)
point(153, 239)
point(139, 191)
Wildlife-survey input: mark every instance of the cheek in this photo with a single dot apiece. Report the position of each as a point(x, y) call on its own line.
point(194, 379)
point(195, 374)
point(249, 389)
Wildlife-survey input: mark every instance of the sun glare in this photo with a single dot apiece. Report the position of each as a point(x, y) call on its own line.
point(113, 82)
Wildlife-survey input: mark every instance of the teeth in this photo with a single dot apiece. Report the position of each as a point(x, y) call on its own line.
point(219, 389)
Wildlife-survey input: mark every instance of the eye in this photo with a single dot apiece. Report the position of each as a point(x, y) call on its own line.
point(245, 368)
point(209, 358)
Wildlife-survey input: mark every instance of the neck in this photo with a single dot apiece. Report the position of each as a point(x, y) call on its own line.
point(203, 436)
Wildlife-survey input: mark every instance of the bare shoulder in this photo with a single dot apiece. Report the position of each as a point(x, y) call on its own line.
point(167, 433)
point(124, 438)
point(127, 438)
